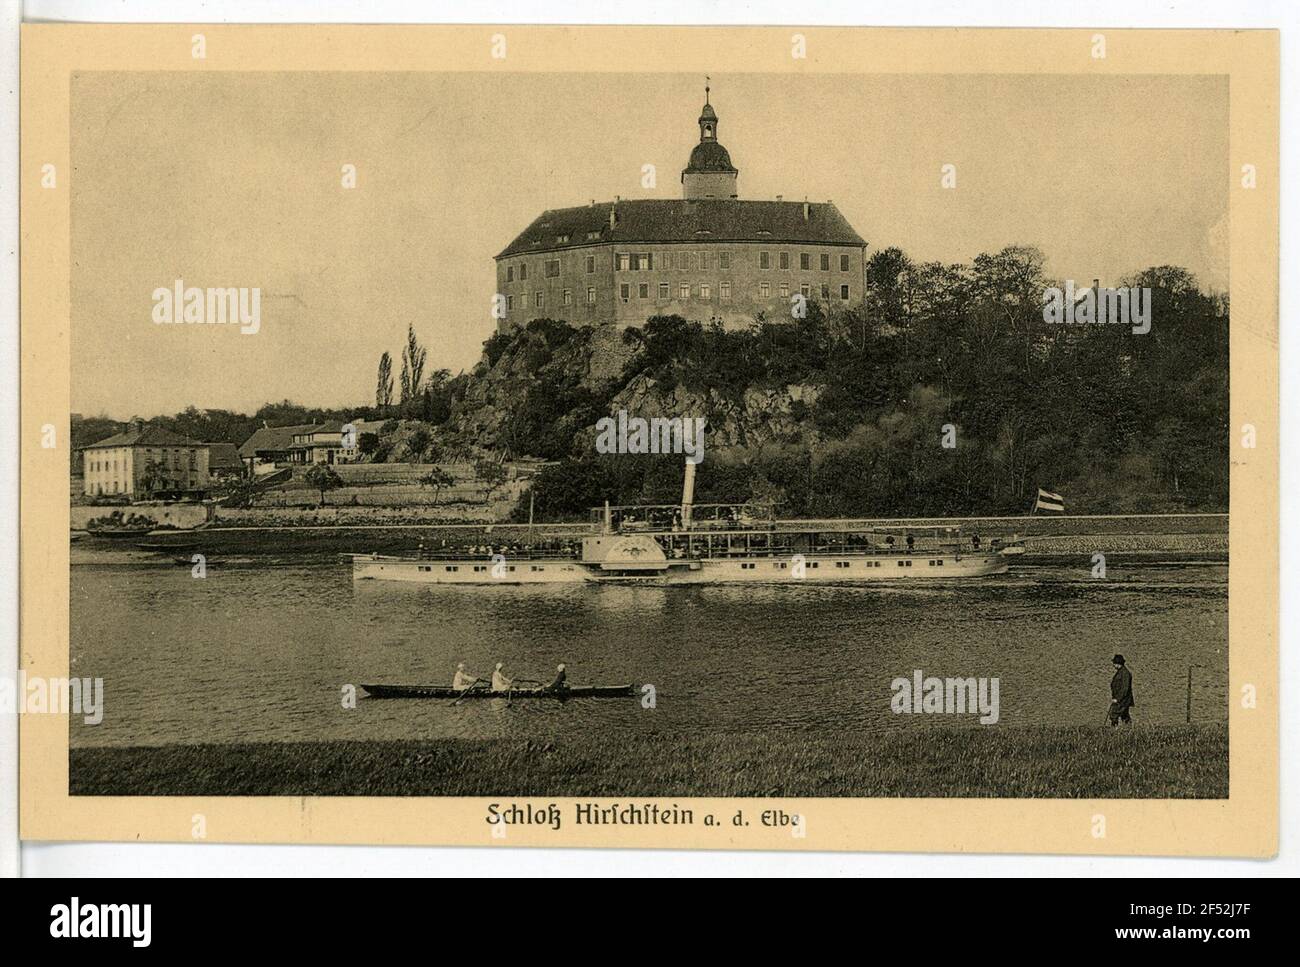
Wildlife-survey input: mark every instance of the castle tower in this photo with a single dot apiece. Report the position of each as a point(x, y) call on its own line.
point(709, 173)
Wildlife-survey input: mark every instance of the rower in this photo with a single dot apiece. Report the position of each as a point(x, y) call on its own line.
point(560, 684)
point(462, 679)
point(499, 681)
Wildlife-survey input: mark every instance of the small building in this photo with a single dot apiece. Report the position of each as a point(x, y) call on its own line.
point(270, 446)
point(145, 461)
point(224, 462)
point(321, 443)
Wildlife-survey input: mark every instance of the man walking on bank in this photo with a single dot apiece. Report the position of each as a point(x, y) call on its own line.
point(1121, 692)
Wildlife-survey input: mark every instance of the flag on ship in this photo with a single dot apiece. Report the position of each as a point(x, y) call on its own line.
point(1049, 501)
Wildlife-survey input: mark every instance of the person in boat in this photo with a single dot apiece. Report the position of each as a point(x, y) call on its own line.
point(1121, 692)
point(560, 682)
point(462, 680)
point(499, 681)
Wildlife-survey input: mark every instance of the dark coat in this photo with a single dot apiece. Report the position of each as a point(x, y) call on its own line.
point(1121, 689)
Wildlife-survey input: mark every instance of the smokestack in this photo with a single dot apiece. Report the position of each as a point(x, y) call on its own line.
point(780, 197)
point(806, 209)
point(688, 494)
point(613, 216)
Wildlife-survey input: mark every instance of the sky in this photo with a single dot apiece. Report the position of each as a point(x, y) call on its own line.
point(234, 179)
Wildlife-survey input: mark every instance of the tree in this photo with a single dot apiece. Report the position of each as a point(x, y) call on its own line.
point(417, 444)
point(153, 477)
point(322, 477)
point(413, 359)
point(238, 492)
point(491, 473)
point(384, 384)
point(437, 478)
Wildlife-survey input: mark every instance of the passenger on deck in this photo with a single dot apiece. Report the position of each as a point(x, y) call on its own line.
point(499, 681)
point(560, 682)
point(462, 679)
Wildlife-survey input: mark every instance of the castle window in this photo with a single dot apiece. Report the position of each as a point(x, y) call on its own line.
point(643, 290)
point(624, 262)
point(523, 271)
point(684, 290)
point(591, 295)
point(805, 290)
point(537, 300)
point(510, 273)
point(825, 262)
point(552, 268)
point(591, 264)
point(645, 262)
point(724, 260)
point(826, 291)
point(764, 290)
point(805, 261)
point(704, 261)
point(663, 290)
point(568, 297)
point(785, 260)
point(844, 293)
point(593, 236)
point(561, 239)
point(764, 260)
point(706, 290)
point(510, 302)
point(724, 291)
point(785, 289)
point(625, 292)
point(844, 263)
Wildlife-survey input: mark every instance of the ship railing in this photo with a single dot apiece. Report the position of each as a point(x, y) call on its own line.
point(486, 556)
point(674, 518)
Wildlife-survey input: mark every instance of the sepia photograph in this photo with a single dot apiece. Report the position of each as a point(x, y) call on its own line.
point(786, 471)
point(579, 440)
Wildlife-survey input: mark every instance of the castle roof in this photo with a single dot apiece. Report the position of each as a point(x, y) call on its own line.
point(686, 220)
point(710, 156)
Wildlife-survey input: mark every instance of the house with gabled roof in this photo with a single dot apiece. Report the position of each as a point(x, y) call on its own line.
point(145, 461)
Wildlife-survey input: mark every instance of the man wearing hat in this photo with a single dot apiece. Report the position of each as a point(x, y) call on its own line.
point(560, 683)
point(1121, 692)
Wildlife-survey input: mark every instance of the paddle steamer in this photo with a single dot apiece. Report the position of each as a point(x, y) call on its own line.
point(688, 543)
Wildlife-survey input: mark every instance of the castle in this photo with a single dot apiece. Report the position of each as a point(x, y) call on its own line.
point(708, 256)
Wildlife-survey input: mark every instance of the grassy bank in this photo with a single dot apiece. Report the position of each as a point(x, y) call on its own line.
point(1161, 762)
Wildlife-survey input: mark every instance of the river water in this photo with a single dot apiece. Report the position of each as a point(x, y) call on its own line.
point(261, 649)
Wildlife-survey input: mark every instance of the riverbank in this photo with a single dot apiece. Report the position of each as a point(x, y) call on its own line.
point(1186, 762)
point(1192, 536)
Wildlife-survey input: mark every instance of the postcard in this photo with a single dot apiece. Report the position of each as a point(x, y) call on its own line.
point(732, 438)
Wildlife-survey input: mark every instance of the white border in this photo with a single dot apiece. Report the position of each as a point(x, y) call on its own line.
point(94, 859)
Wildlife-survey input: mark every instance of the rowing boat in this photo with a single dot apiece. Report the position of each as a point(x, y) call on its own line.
point(446, 691)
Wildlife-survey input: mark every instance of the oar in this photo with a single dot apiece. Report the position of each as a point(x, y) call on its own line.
point(467, 691)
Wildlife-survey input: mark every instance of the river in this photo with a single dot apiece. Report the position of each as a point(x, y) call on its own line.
point(262, 649)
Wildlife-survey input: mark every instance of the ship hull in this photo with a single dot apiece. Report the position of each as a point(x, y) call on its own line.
point(812, 569)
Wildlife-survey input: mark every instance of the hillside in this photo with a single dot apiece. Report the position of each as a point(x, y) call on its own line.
point(946, 395)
